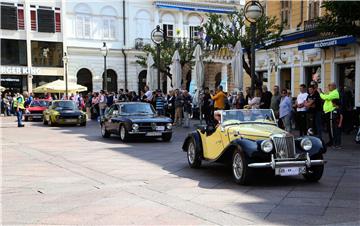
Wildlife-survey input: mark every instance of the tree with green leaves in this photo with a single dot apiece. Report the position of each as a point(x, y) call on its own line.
point(224, 30)
point(341, 18)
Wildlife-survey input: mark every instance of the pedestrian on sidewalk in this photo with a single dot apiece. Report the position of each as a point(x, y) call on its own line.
point(328, 107)
point(206, 106)
point(275, 101)
point(19, 105)
point(179, 104)
point(159, 102)
point(301, 110)
point(337, 122)
point(219, 99)
point(187, 108)
point(285, 110)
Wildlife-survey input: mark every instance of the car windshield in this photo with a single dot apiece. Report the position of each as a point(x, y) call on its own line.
point(247, 116)
point(64, 105)
point(137, 109)
point(39, 103)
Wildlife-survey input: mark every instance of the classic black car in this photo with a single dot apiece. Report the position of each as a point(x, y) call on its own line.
point(133, 120)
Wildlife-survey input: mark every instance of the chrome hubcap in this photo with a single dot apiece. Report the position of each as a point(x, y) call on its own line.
point(237, 166)
point(191, 153)
point(122, 133)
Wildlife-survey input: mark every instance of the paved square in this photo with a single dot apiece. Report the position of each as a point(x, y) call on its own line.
point(71, 175)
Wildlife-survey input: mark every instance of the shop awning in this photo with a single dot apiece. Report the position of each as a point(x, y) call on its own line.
point(338, 41)
point(194, 7)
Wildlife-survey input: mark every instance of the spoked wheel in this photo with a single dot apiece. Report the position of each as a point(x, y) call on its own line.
point(193, 155)
point(124, 135)
point(240, 168)
point(104, 132)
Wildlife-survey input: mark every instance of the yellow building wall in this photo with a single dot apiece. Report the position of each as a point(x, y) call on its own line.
point(296, 13)
point(246, 81)
point(296, 81)
point(327, 70)
point(273, 9)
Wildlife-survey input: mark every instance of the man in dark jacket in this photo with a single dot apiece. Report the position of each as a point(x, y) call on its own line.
point(206, 107)
point(265, 98)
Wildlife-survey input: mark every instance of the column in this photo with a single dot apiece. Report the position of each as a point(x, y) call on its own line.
point(28, 43)
point(292, 77)
point(156, 16)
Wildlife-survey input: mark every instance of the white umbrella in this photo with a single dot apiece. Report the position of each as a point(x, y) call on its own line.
point(199, 67)
point(150, 78)
point(237, 66)
point(175, 70)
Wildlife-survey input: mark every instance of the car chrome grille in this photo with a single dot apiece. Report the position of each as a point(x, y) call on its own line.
point(284, 146)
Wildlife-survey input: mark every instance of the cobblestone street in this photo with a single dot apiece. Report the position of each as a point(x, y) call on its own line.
point(71, 175)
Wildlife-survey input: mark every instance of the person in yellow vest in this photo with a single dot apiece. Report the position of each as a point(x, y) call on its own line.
point(219, 99)
point(19, 107)
point(328, 108)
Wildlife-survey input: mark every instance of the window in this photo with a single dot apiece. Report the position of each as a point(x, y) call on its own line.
point(83, 26)
point(46, 54)
point(46, 20)
point(313, 9)
point(13, 52)
point(194, 32)
point(109, 28)
point(285, 14)
point(9, 16)
point(168, 30)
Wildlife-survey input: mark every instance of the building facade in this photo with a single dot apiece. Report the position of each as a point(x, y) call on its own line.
point(31, 43)
point(304, 55)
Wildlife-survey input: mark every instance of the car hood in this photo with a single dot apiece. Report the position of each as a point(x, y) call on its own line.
point(253, 131)
point(36, 108)
point(149, 119)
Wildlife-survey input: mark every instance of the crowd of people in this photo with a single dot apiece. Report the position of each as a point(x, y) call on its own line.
point(312, 111)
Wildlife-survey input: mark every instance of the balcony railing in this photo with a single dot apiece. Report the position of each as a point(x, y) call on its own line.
point(310, 25)
point(141, 42)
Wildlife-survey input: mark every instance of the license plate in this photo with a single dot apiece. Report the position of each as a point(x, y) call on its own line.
point(153, 134)
point(70, 120)
point(289, 171)
point(37, 116)
point(160, 128)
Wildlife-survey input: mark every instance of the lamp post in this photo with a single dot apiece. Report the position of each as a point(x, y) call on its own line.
point(253, 12)
point(104, 51)
point(157, 36)
point(65, 60)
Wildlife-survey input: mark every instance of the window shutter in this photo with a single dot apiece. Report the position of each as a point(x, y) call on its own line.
point(79, 26)
point(33, 20)
point(87, 28)
point(9, 17)
point(57, 21)
point(21, 24)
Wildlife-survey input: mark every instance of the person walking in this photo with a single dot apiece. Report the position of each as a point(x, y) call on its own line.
point(171, 104)
point(275, 101)
point(337, 122)
point(285, 109)
point(328, 107)
point(19, 106)
point(179, 103)
point(219, 99)
point(301, 110)
point(159, 102)
point(102, 103)
point(265, 98)
point(187, 108)
point(239, 101)
point(206, 106)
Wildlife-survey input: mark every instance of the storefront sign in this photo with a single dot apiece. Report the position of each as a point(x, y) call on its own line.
point(19, 70)
point(329, 42)
point(325, 44)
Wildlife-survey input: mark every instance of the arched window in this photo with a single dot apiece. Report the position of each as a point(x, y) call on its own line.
point(109, 15)
point(84, 78)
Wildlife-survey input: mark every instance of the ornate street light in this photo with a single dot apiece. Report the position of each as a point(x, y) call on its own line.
point(157, 36)
point(104, 51)
point(65, 59)
point(253, 12)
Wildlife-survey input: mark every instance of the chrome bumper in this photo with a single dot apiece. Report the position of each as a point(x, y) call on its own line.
point(132, 132)
point(276, 164)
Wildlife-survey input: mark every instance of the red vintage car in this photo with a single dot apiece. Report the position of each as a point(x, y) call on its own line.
point(35, 109)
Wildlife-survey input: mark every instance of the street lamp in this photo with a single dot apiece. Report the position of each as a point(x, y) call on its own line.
point(157, 36)
point(253, 12)
point(65, 60)
point(104, 51)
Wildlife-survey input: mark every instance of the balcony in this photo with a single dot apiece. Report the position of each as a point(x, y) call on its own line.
point(141, 42)
point(310, 25)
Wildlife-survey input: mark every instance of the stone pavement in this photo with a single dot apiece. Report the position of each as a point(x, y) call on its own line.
point(71, 175)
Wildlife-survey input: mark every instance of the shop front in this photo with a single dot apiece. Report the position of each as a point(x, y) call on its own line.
point(14, 83)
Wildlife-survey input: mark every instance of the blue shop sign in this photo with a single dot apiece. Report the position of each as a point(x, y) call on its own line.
point(328, 42)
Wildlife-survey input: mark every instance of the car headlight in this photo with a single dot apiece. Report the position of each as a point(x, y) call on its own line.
point(80, 116)
point(169, 126)
point(135, 126)
point(267, 146)
point(27, 111)
point(306, 144)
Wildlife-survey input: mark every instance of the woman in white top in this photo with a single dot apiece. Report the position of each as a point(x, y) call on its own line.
point(254, 102)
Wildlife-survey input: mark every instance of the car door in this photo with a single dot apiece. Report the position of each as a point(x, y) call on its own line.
point(107, 118)
point(114, 119)
point(214, 144)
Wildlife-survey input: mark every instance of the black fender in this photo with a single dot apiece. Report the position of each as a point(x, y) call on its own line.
point(122, 121)
point(196, 137)
point(318, 146)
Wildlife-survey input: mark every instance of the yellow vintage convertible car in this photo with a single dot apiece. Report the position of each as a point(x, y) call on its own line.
point(250, 140)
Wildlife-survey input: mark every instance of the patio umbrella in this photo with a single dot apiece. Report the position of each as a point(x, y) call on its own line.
point(58, 86)
point(199, 67)
point(237, 66)
point(175, 70)
point(150, 78)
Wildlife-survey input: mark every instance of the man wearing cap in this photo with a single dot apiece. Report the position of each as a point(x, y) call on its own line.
point(328, 108)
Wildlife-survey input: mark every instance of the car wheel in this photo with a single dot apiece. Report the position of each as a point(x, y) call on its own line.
point(166, 137)
point(314, 173)
point(240, 168)
point(193, 156)
point(104, 132)
point(44, 121)
point(124, 135)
